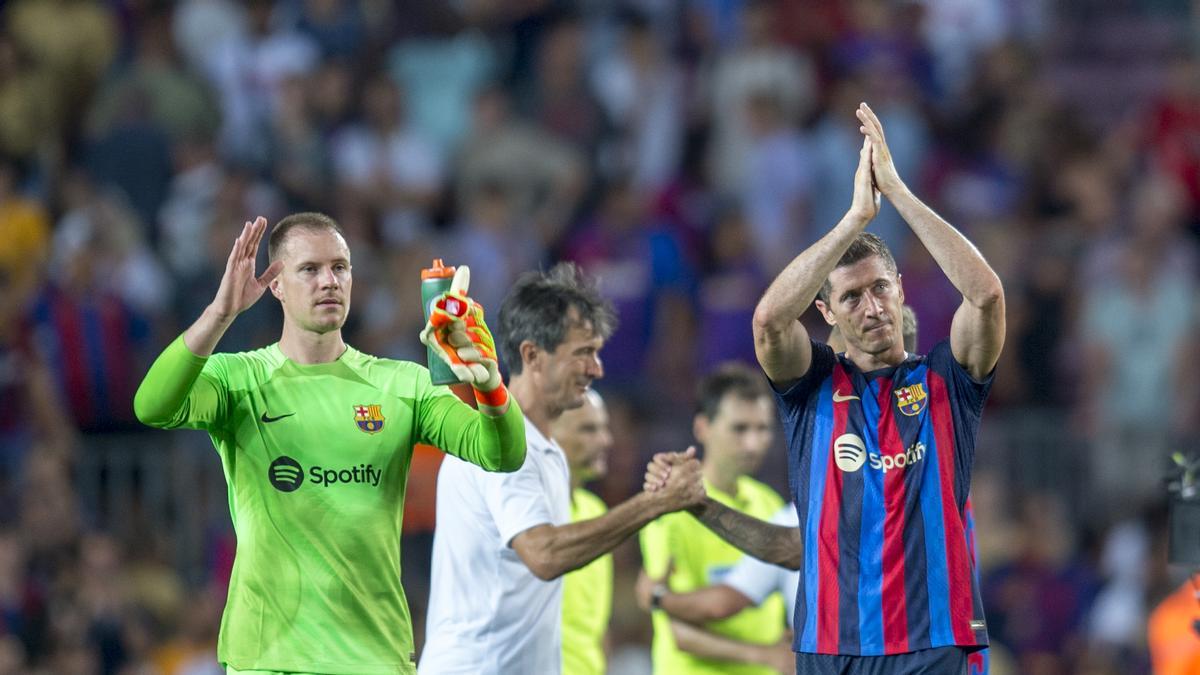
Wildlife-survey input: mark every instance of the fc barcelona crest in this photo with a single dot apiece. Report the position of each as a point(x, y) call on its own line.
point(911, 399)
point(369, 418)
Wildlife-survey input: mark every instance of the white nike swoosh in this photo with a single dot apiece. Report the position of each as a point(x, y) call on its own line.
point(839, 398)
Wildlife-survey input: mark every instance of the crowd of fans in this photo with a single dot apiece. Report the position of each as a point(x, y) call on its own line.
point(680, 150)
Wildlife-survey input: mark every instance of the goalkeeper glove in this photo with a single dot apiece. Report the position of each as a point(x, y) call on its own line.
point(457, 333)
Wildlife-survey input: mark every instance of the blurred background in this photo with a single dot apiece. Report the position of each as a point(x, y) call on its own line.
point(680, 150)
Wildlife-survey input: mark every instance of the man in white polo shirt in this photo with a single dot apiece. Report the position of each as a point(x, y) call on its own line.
point(503, 541)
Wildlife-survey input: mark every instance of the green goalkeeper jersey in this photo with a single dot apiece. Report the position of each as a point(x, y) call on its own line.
point(316, 458)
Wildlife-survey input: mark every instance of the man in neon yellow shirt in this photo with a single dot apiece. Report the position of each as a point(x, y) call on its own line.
point(735, 425)
point(587, 592)
point(316, 439)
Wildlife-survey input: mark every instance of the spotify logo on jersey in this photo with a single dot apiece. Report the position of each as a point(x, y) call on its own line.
point(849, 452)
point(285, 474)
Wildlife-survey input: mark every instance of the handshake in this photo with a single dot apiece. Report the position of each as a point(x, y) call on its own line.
point(675, 480)
point(457, 333)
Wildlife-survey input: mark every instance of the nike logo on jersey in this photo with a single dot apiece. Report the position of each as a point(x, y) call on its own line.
point(268, 419)
point(839, 398)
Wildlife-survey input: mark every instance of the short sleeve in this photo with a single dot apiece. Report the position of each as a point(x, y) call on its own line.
point(517, 500)
point(753, 578)
point(796, 396)
point(966, 393)
point(756, 579)
point(967, 397)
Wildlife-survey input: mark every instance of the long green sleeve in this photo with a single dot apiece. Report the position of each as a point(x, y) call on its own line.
point(179, 392)
point(492, 443)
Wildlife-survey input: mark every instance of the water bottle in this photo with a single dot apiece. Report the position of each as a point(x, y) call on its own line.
point(435, 281)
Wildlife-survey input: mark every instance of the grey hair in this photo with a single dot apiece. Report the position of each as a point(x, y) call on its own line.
point(538, 309)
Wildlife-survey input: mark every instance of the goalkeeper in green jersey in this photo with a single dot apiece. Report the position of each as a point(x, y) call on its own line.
point(316, 438)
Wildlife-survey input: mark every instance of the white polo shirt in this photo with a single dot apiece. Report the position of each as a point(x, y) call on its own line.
point(756, 579)
point(488, 614)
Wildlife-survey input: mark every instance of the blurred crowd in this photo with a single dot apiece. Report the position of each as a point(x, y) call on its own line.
point(680, 150)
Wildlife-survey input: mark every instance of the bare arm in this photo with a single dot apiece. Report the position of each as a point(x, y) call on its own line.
point(709, 645)
point(549, 551)
point(977, 332)
point(706, 604)
point(780, 341)
point(775, 544)
point(771, 543)
point(711, 603)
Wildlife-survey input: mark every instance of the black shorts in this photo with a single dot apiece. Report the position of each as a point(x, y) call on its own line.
point(940, 661)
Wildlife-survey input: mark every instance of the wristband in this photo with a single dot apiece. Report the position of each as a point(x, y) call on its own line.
point(496, 398)
point(657, 594)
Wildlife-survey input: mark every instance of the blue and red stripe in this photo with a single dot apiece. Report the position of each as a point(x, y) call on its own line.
point(821, 445)
point(870, 584)
point(830, 593)
point(893, 591)
point(850, 530)
point(959, 587)
point(902, 432)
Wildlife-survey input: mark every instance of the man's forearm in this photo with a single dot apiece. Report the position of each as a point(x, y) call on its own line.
point(556, 550)
point(711, 603)
point(958, 258)
point(201, 337)
point(710, 645)
point(775, 544)
point(781, 344)
point(797, 285)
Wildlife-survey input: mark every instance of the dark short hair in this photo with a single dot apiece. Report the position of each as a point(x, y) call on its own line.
point(729, 379)
point(864, 246)
point(538, 309)
point(308, 220)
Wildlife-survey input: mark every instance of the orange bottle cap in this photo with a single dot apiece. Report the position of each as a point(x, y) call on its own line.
point(438, 271)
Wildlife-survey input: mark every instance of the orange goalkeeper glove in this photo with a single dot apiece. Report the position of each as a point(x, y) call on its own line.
point(458, 334)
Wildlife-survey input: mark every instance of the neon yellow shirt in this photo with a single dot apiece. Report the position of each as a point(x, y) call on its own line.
point(702, 559)
point(587, 600)
point(316, 459)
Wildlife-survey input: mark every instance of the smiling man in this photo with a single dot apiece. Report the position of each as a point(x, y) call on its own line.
point(316, 439)
point(504, 542)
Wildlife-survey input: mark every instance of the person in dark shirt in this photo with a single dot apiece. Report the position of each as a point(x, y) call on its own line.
point(880, 442)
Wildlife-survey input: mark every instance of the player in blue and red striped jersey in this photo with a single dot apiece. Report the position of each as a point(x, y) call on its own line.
point(751, 580)
point(880, 442)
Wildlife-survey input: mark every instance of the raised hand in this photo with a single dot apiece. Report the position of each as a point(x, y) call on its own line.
point(865, 204)
point(457, 333)
point(240, 288)
point(887, 180)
